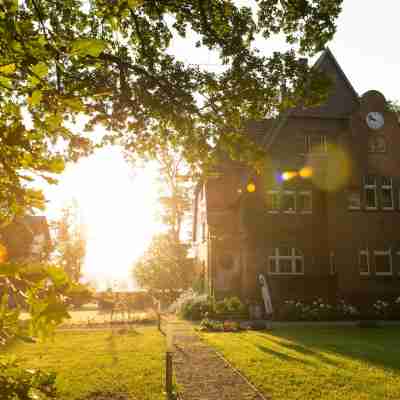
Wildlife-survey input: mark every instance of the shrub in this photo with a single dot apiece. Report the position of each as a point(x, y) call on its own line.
point(230, 305)
point(317, 310)
point(17, 383)
point(209, 325)
point(193, 306)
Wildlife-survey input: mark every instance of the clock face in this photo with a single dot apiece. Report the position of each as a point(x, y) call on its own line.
point(375, 120)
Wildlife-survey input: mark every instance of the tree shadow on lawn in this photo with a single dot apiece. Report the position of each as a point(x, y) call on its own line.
point(306, 351)
point(378, 346)
point(283, 356)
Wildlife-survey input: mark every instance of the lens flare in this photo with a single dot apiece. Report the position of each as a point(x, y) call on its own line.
point(306, 172)
point(336, 173)
point(251, 187)
point(3, 253)
point(288, 175)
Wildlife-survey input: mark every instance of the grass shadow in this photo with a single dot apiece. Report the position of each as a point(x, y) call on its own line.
point(282, 356)
point(306, 351)
point(375, 346)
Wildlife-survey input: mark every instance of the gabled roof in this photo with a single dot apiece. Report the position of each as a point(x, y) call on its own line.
point(328, 54)
point(320, 64)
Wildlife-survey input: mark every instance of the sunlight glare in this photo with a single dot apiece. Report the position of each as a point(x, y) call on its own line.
point(118, 207)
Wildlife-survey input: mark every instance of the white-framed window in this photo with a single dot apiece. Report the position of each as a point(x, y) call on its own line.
point(273, 201)
point(289, 201)
point(387, 202)
point(332, 265)
point(363, 262)
point(316, 144)
point(354, 199)
point(370, 192)
point(376, 144)
point(383, 262)
point(286, 261)
point(304, 201)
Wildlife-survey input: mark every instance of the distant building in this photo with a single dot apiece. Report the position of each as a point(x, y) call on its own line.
point(323, 219)
point(26, 238)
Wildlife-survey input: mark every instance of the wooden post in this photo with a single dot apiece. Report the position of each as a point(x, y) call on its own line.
point(168, 374)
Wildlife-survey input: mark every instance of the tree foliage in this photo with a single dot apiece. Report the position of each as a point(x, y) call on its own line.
point(43, 291)
point(111, 61)
point(164, 269)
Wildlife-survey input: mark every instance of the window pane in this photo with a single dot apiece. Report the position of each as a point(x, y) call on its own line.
point(285, 266)
point(370, 180)
point(382, 263)
point(370, 198)
point(304, 201)
point(354, 199)
point(297, 252)
point(273, 201)
point(299, 266)
point(386, 181)
point(288, 202)
point(371, 144)
point(272, 265)
point(380, 144)
point(285, 251)
point(317, 144)
point(387, 198)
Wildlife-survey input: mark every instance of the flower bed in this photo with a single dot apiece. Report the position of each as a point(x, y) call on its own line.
point(319, 310)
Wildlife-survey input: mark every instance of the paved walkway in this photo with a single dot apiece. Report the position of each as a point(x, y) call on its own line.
point(201, 373)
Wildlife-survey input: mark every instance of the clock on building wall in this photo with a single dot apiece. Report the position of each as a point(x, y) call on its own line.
point(375, 120)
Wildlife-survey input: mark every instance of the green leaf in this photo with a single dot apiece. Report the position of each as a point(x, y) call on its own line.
point(5, 82)
point(7, 69)
point(57, 165)
point(75, 104)
point(35, 98)
point(88, 47)
point(54, 121)
point(40, 69)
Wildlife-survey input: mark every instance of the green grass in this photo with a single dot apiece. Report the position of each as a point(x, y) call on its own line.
point(89, 362)
point(324, 363)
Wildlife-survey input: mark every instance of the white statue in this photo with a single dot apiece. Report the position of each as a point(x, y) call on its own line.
point(265, 294)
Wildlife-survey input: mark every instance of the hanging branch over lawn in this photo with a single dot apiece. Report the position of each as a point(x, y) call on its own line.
point(110, 60)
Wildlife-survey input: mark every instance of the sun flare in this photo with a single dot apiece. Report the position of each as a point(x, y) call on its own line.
point(118, 210)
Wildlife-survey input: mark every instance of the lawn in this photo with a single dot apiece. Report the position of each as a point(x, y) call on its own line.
point(97, 362)
point(323, 363)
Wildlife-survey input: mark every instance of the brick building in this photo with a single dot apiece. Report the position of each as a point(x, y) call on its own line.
point(323, 219)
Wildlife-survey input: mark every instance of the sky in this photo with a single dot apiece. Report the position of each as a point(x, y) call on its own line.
point(118, 201)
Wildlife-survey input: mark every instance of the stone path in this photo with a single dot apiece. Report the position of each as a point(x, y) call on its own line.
point(201, 373)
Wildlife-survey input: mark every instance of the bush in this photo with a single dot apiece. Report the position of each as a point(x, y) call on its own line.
point(17, 383)
point(210, 325)
point(193, 306)
point(230, 305)
point(317, 310)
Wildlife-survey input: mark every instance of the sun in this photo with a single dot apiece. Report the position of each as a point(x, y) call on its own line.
point(118, 210)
